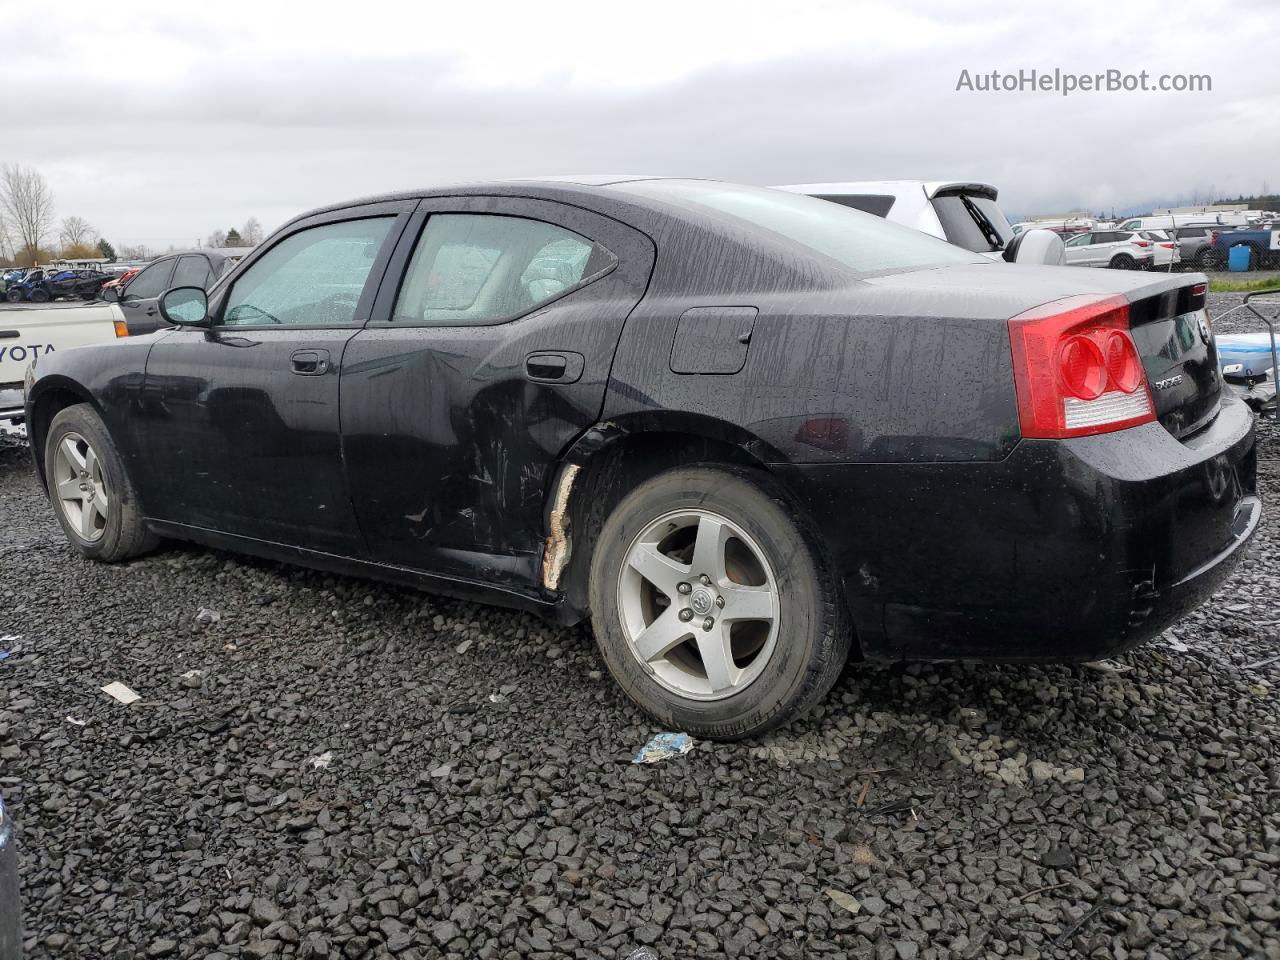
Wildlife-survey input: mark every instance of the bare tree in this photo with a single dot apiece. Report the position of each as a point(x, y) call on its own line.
point(27, 201)
point(216, 239)
point(138, 251)
point(76, 232)
point(251, 232)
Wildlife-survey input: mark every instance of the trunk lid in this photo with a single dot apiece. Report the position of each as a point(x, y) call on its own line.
point(1172, 332)
point(1167, 316)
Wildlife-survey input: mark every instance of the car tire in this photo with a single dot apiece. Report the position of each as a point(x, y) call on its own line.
point(1207, 259)
point(39, 296)
point(1122, 261)
point(777, 666)
point(14, 295)
point(101, 518)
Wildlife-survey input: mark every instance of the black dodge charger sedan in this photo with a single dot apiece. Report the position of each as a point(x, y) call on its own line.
point(745, 431)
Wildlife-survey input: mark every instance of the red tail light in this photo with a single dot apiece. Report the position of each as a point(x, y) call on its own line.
point(1076, 369)
point(1143, 243)
point(1213, 237)
point(1167, 246)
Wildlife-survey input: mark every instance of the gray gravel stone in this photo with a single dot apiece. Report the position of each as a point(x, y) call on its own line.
point(200, 822)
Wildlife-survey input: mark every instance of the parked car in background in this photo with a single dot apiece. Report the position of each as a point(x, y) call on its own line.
point(962, 213)
point(1164, 250)
point(1194, 247)
point(1173, 221)
point(122, 279)
point(139, 296)
point(41, 286)
point(744, 431)
point(1065, 228)
point(1118, 249)
point(1263, 244)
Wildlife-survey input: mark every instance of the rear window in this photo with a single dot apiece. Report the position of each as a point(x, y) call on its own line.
point(875, 204)
point(857, 240)
point(973, 222)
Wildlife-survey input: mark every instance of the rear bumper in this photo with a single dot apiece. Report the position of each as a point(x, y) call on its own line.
point(1065, 550)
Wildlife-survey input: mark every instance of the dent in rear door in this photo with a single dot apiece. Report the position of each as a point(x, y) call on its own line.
point(451, 432)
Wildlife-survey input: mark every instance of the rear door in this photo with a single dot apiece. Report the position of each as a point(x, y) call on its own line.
point(487, 355)
point(241, 418)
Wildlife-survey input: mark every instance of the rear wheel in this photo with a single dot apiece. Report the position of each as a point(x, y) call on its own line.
point(1122, 261)
point(1208, 259)
point(39, 295)
point(712, 608)
point(91, 494)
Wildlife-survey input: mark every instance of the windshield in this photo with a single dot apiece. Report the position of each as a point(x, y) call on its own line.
point(973, 221)
point(857, 240)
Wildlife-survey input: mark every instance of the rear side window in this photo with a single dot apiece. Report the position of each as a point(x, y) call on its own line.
point(856, 240)
point(314, 277)
point(875, 204)
point(192, 272)
point(1185, 232)
point(151, 282)
point(973, 222)
point(479, 269)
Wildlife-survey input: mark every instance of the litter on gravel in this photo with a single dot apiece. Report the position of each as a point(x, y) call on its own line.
point(662, 746)
point(1108, 666)
point(843, 900)
point(121, 692)
point(207, 615)
point(321, 761)
point(75, 722)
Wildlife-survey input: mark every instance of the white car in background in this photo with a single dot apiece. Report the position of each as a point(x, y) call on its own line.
point(1165, 251)
point(1118, 249)
point(958, 211)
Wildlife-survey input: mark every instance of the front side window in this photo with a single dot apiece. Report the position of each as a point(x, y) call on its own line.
point(151, 282)
point(477, 269)
point(314, 277)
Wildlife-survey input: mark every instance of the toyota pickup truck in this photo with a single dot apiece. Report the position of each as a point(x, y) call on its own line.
point(29, 331)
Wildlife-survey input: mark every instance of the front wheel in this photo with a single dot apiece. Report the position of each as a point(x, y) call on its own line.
point(91, 494)
point(712, 608)
point(14, 295)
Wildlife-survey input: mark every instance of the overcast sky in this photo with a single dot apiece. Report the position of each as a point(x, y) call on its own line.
point(161, 123)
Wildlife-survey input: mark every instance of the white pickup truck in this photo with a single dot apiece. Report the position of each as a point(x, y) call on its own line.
point(29, 331)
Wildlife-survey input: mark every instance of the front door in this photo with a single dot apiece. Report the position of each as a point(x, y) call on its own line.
point(139, 300)
point(242, 416)
point(487, 355)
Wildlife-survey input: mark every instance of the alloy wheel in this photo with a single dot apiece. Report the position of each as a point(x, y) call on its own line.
point(699, 604)
point(81, 487)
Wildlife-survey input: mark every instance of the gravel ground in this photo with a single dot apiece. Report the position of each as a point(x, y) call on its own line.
point(336, 768)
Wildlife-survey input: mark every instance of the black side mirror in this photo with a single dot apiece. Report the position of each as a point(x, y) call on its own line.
point(185, 306)
point(111, 294)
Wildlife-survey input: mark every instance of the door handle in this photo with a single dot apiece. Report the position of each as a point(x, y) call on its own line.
point(309, 363)
point(554, 367)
